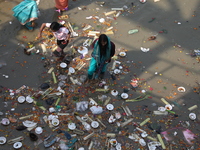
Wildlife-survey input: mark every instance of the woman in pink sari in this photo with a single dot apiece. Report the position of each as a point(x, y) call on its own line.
point(61, 5)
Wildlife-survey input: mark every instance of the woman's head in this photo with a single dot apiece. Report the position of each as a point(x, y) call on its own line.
point(55, 26)
point(103, 40)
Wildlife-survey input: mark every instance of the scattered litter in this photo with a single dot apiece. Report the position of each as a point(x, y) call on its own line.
point(144, 49)
point(133, 31)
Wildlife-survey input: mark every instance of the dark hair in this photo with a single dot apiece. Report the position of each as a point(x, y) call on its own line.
point(103, 38)
point(55, 26)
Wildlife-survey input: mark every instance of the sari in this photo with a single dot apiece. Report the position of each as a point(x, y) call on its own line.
point(98, 62)
point(26, 12)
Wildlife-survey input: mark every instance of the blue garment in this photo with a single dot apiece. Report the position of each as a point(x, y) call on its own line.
point(26, 11)
point(98, 61)
point(96, 52)
point(29, 25)
point(93, 68)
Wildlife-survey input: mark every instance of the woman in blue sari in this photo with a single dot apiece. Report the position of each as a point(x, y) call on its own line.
point(103, 51)
point(26, 12)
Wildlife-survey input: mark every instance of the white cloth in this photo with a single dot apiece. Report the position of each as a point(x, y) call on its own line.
point(61, 34)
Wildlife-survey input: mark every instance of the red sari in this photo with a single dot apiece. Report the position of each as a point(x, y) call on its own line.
point(61, 4)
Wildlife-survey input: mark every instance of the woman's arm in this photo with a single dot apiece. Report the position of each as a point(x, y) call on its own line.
point(41, 29)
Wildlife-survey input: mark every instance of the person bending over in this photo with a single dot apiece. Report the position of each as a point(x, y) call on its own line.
point(62, 35)
point(103, 51)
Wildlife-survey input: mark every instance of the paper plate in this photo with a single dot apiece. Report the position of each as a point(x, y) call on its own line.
point(2, 140)
point(55, 122)
point(114, 92)
point(192, 116)
point(122, 54)
point(95, 124)
point(113, 142)
point(21, 99)
point(161, 109)
point(124, 95)
point(83, 50)
point(29, 124)
point(117, 71)
point(63, 65)
point(5, 121)
point(17, 145)
point(71, 126)
point(110, 106)
point(29, 99)
point(181, 89)
point(38, 130)
point(168, 107)
point(71, 70)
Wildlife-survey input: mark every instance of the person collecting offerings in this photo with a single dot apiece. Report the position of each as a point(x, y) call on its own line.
point(61, 33)
point(103, 51)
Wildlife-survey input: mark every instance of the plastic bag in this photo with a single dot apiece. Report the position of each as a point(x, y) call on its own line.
point(44, 86)
point(82, 106)
point(63, 146)
point(96, 110)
